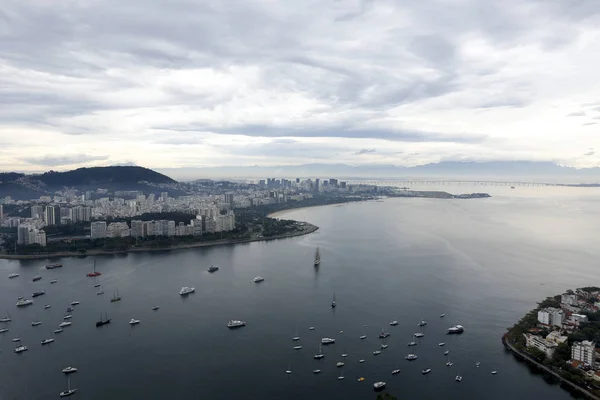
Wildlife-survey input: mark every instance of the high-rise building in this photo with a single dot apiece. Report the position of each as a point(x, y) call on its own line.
point(1, 212)
point(137, 228)
point(81, 214)
point(37, 211)
point(262, 184)
point(52, 215)
point(23, 234)
point(343, 185)
point(229, 200)
point(317, 182)
point(584, 352)
point(551, 316)
point(333, 182)
point(98, 230)
point(164, 196)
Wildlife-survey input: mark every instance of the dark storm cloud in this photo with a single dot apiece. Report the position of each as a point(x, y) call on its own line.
point(51, 161)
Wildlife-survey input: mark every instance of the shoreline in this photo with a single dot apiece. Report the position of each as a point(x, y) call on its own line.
point(308, 228)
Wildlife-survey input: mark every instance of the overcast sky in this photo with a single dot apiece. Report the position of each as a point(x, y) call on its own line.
point(182, 83)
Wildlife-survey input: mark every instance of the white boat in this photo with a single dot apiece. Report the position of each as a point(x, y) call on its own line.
point(155, 308)
point(3, 330)
point(316, 371)
point(339, 364)
point(393, 323)
point(344, 355)
point(311, 328)
point(16, 339)
point(458, 378)
point(456, 329)
point(69, 370)
point(47, 306)
point(296, 338)
point(6, 319)
point(134, 321)
point(423, 323)
point(320, 354)
point(289, 370)
point(426, 371)
point(441, 344)
point(100, 292)
point(395, 372)
point(74, 303)
point(361, 361)
point(477, 364)
point(24, 302)
point(20, 349)
point(186, 290)
point(442, 316)
point(411, 357)
point(333, 303)
point(53, 281)
point(449, 364)
point(36, 323)
point(66, 323)
point(494, 372)
point(12, 276)
point(384, 334)
point(363, 337)
point(327, 340)
point(447, 352)
point(341, 377)
point(47, 341)
point(384, 346)
point(235, 324)
point(59, 330)
point(412, 344)
point(419, 335)
point(69, 391)
point(317, 258)
point(258, 279)
point(376, 352)
point(379, 385)
point(297, 347)
point(66, 317)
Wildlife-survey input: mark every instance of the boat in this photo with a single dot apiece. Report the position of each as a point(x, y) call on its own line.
point(311, 328)
point(449, 364)
point(339, 364)
point(327, 340)
point(410, 344)
point(235, 324)
point(289, 370)
point(115, 297)
point(379, 385)
point(94, 273)
point(20, 349)
point(316, 371)
point(384, 334)
point(36, 323)
point(69, 391)
point(186, 290)
point(69, 370)
point(59, 330)
point(333, 304)
point(6, 319)
point(494, 372)
point(361, 361)
point(456, 329)
point(3, 330)
point(296, 338)
point(447, 352)
point(317, 258)
point(395, 372)
point(341, 377)
point(74, 303)
point(36, 278)
point(426, 371)
point(442, 316)
point(441, 344)
point(100, 293)
point(258, 279)
point(24, 302)
point(361, 379)
point(66, 317)
point(52, 266)
point(363, 337)
point(297, 347)
point(47, 341)
point(36, 294)
point(477, 364)
point(423, 323)
point(47, 306)
point(411, 357)
point(320, 354)
point(458, 378)
point(16, 339)
point(53, 281)
point(69, 309)
point(213, 268)
point(393, 323)
point(97, 285)
point(383, 346)
point(377, 352)
point(66, 323)
point(11, 276)
point(134, 321)
point(344, 355)
point(419, 335)
point(155, 308)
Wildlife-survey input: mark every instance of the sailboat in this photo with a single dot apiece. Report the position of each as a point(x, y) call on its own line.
point(289, 370)
point(116, 297)
point(317, 258)
point(320, 354)
point(103, 321)
point(7, 318)
point(341, 376)
point(69, 391)
point(296, 337)
point(94, 272)
point(333, 304)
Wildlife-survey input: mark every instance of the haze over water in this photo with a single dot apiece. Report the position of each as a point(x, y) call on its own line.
point(483, 263)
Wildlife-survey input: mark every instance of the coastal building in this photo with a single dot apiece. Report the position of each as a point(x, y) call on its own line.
point(1, 212)
point(137, 228)
point(551, 316)
point(37, 211)
point(577, 319)
point(568, 299)
point(98, 230)
point(584, 352)
point(52, 216)
point(117, 229)
point(81, 214)
point(23, 234)
point(540, 343)
point(29, 234)
point(556, 337)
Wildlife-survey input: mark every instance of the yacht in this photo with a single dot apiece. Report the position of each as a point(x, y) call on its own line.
point(361, 361)
point(74, 303)
point(296, 338)
point(6, 319)
point(66, 317)
point(52, 266)
point(116, 297)
point(69, 370)
point(20, 349)
point(341, 377)
point(3, 330)
point(426, 371)
point(235, 324)
point(12, 276)
point(155, 308)
point(383, 334)
point(69, 391)
point(339, 364)
point(213, 268)
point(383, 346)
point(47, 341)
point(344, 355)
point(186, 290)
point(363, 337)
point(419, 335)
point(458, 378)
point(316, 371)
point(134, 321)
point(327, 340)
point(36, 323)
point(393, 323)
point(441, 344)
point(395, 372)
point(59, 330)
point(24, 302)
point(289, 370)
point(36, 294)
point(377, 352)
point(36, 278)
point(410, 344)
point(320, 354)
point(317, 258)
point(442, 316)
point(311, 328)
point(447, 352)
point(297, 347)
point(456, 329)
point(258, 279)
point(63, 324)
point(47, 306)
point(423, 323)
point(411, 357)
point(494, 372)
point(53, 281)
point(94, 273)
point(16, 339)
point(379, 385)
point(103, 321)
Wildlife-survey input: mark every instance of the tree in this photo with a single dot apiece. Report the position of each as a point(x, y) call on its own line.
point(536, 353)
point(562, 354)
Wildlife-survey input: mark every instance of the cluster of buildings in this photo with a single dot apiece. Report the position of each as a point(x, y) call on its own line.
point(566, 319)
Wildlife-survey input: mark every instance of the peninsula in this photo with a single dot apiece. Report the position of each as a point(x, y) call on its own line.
point(559, 338)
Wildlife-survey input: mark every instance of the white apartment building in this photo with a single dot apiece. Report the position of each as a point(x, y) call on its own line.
point(117, 229)
point(551, 316)
point(137, 228)
point(29, 234)
point(540, 343)
point(584, 351)
point(98, 230)
point(568, 299)
point(556, 337)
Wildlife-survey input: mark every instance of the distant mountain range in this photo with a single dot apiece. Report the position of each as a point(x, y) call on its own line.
point(22, 186)
point(450, 170)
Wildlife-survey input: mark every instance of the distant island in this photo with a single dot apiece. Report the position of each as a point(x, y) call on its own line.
point(559, 338)
point(437, 194)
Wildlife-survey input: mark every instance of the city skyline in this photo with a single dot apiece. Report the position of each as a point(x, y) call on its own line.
point(186, 84)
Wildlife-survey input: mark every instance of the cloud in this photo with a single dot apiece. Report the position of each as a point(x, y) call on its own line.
point(589, 123)
point(590, 153)
point(365, 151)
point(576, 114)
point(51, 161)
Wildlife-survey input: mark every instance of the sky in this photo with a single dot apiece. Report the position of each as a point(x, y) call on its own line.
point(198, 83)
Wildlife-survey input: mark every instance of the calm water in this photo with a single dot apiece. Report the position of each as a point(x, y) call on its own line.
point(482, 262)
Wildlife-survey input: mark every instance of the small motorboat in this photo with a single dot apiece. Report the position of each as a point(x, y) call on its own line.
point(155, 308)
point(20, 349)
point(316, 371)
point(3, 330)
point(361, 361)
point(16, 339)
point(458, 378)
point(363, 337)
point(494, 372)
point(379, 386)
point(75, 303)
point(235, 324)
point(412, 344)
point(326, 340)
point(11, 276)
point(311, 328)
point(53, 281)
point(297, 347)
point(477, 364)
point(423, 323)
point(36, 294)
point(47, 341)
point(442, 316)
point(419, 335)
point(384, 335)
point(395, 372)
point(376, 352)
point(97, 285)
point(100, 292)
point(36, 323)
point(384, 346)
point(393, 323)
point(361, 379)
point(456, 329)
point(447, 352)
point(449, 364)
point(66, 323)
point(258, 279)
point(66, 317)
point(213, 268)
point(339, 364)
point(411, 357)
point(426, 371)
point(59, 330)
point(36, 278)
point(69, 370)
point(47, 306)
point(441, 344)
point(344, 355)
point(296, 338)
point(70, 309)
point(134, 321)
